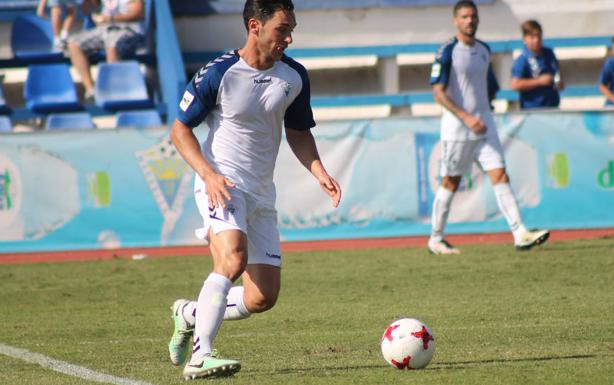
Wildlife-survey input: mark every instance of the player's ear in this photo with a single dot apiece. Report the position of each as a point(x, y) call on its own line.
point(253, 26)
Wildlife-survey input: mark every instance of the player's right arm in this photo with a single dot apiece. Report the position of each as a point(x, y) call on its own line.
point(440, 74)
point(198, 100)
point(522, 81)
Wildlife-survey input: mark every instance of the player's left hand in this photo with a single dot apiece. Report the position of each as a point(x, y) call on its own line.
point(100, 18)
point(332, 188)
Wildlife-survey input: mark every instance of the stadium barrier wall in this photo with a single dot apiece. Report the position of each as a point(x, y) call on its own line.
point(129, 187)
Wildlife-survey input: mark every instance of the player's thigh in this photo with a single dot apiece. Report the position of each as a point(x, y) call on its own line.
point(261, 284)
point(229, 252)
point(489, 156)
point(456, 157)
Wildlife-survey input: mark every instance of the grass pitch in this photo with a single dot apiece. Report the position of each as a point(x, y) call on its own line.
point(499, 317)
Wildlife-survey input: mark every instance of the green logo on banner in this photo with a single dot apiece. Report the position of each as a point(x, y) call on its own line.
point(605, 178)
point(5, 188)
point(558, 169)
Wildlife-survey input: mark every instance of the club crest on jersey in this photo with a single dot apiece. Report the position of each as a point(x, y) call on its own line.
point(186, 100)
point(287, 88)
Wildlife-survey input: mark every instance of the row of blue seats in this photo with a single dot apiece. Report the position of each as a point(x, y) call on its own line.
point(83, 120)
point(119, 86)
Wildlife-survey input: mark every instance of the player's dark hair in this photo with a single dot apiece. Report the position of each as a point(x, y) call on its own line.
point(464, 4)
point(262, 10)
point(531, 27)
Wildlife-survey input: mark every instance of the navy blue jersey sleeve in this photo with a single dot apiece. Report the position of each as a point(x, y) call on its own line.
point(199, 98)
point(440, 71)
point(519, 68)
point(299, 115)
point(607, 73)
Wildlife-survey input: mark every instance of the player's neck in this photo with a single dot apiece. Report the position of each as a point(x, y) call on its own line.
point(467, 40)
point(254, 57)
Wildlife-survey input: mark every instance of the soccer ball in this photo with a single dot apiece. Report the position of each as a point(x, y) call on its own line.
point(408, 344)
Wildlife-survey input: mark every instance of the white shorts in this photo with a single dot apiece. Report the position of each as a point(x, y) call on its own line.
point(242, 212)
point(457, 157)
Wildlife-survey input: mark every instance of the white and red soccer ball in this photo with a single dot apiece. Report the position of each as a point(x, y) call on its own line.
point(408, 344)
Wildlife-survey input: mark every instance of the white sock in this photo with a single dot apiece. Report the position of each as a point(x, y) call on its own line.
point(189, 313)
point(235, 307)
point(64, 35)
point(509, 208)
point(441, 209)
point(209, 313)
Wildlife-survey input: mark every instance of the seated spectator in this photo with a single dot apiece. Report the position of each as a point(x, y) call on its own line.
point(118, 31)
point(60, 29)
point(606, 80)
point(535, 73)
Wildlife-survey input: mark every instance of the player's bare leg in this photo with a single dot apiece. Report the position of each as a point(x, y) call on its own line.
point(229, 252)
point(523, 239)
point(441, 208)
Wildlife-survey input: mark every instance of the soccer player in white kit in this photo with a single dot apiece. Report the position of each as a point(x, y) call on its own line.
point(464, 84)
point(246, 97)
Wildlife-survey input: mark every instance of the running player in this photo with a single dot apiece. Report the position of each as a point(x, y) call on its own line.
point(246, 97)
point(464, 84)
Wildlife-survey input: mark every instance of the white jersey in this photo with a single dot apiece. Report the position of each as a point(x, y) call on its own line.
point(115, 7)
point(245, 110)
point(467, 74)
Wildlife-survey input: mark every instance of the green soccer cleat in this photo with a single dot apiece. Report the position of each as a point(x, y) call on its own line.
point(211, 367)
point(180, 341)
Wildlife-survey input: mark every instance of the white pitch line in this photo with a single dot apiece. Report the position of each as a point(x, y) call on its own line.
point(65, 367)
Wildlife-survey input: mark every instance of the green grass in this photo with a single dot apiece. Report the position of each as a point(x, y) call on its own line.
point(499, 317)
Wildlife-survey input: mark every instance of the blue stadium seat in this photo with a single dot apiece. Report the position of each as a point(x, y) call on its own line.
point(138, 118)
point(32, 39)
point(50, 88)
point(121, 86)
point(69, 121)
point(5, 124)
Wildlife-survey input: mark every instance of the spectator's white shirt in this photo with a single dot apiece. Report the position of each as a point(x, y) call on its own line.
point(115, 7)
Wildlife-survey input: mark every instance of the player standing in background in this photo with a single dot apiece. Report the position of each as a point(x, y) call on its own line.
point(246, 97)
point(464, 84)
point(606, 79)
point(536, 73)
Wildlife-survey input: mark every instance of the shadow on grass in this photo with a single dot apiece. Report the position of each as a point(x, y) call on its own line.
point(435, 366)
point(462, 364)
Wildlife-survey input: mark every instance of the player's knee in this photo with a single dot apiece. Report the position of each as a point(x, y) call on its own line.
point(234, 263)
point(261, 302)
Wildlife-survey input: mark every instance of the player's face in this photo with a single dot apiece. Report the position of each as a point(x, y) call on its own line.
point(533, 41)
point(276, 34)
point(466, 20)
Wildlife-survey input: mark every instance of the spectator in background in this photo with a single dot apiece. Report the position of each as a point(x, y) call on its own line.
point(606, 80)
point(60, 29)
point(118, 31)
point(535, 73)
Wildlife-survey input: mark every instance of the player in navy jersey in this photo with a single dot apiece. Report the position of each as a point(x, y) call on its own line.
point(606, 78)
point(535, 73)
point(464, 84)
point(246, 97)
